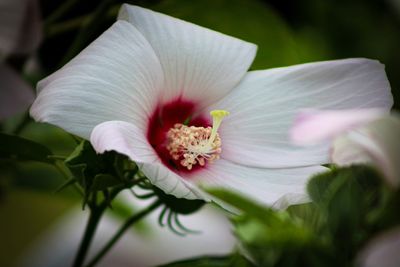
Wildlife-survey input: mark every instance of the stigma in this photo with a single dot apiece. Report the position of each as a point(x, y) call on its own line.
point(191, 145)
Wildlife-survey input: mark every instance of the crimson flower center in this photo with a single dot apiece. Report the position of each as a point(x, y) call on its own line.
point(193, 145)
point(183, 139)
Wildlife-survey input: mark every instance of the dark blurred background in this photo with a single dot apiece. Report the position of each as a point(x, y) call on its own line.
point(286, 32)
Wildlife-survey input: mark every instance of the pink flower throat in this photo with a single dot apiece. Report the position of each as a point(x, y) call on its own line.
point(173, 130)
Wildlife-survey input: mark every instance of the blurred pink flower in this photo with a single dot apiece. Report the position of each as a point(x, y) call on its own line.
point(15, 94)
point(358, 136)
point(20, 27)
point(381, 251)
point(20, 34)
point(128, 90)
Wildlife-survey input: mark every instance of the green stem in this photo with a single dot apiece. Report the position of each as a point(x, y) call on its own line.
point(59, 165)
point(96, 211)
point(94, 218)
point(135, 218)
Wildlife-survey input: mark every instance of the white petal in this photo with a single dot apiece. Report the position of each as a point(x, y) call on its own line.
point(274, 187)
point(345, 151)
point(170, 182)
point(15, 94)
point(313, 126)
point(291, 199)
point(199, 64)
point(131, 141)
point(124, 138)
point(264, 104)
point(117, 77)
point(376, 143)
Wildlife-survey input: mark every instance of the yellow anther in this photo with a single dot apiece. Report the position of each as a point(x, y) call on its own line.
point(219, 113)
point(217, 116)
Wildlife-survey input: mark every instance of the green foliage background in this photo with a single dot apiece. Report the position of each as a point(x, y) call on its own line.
point(286, 32)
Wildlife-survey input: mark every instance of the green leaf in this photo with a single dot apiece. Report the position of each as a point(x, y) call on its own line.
point(275, 238)
point(281, 241)
point(85, 164)
point(104, 181)
point(67, 183)
point(309, 214)
point(385, 218)
point(59, 141)
point(15, 147)
point(240, 202)
point(319, 185)
point(85, 157)
point(100, 172)
point(84, 154)
point(234, 260)
point(359, 185)
point(347, 197)
point(281, 244)
point(78, 172)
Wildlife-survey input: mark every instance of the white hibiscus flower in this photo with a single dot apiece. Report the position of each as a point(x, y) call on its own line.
point(141, 86)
